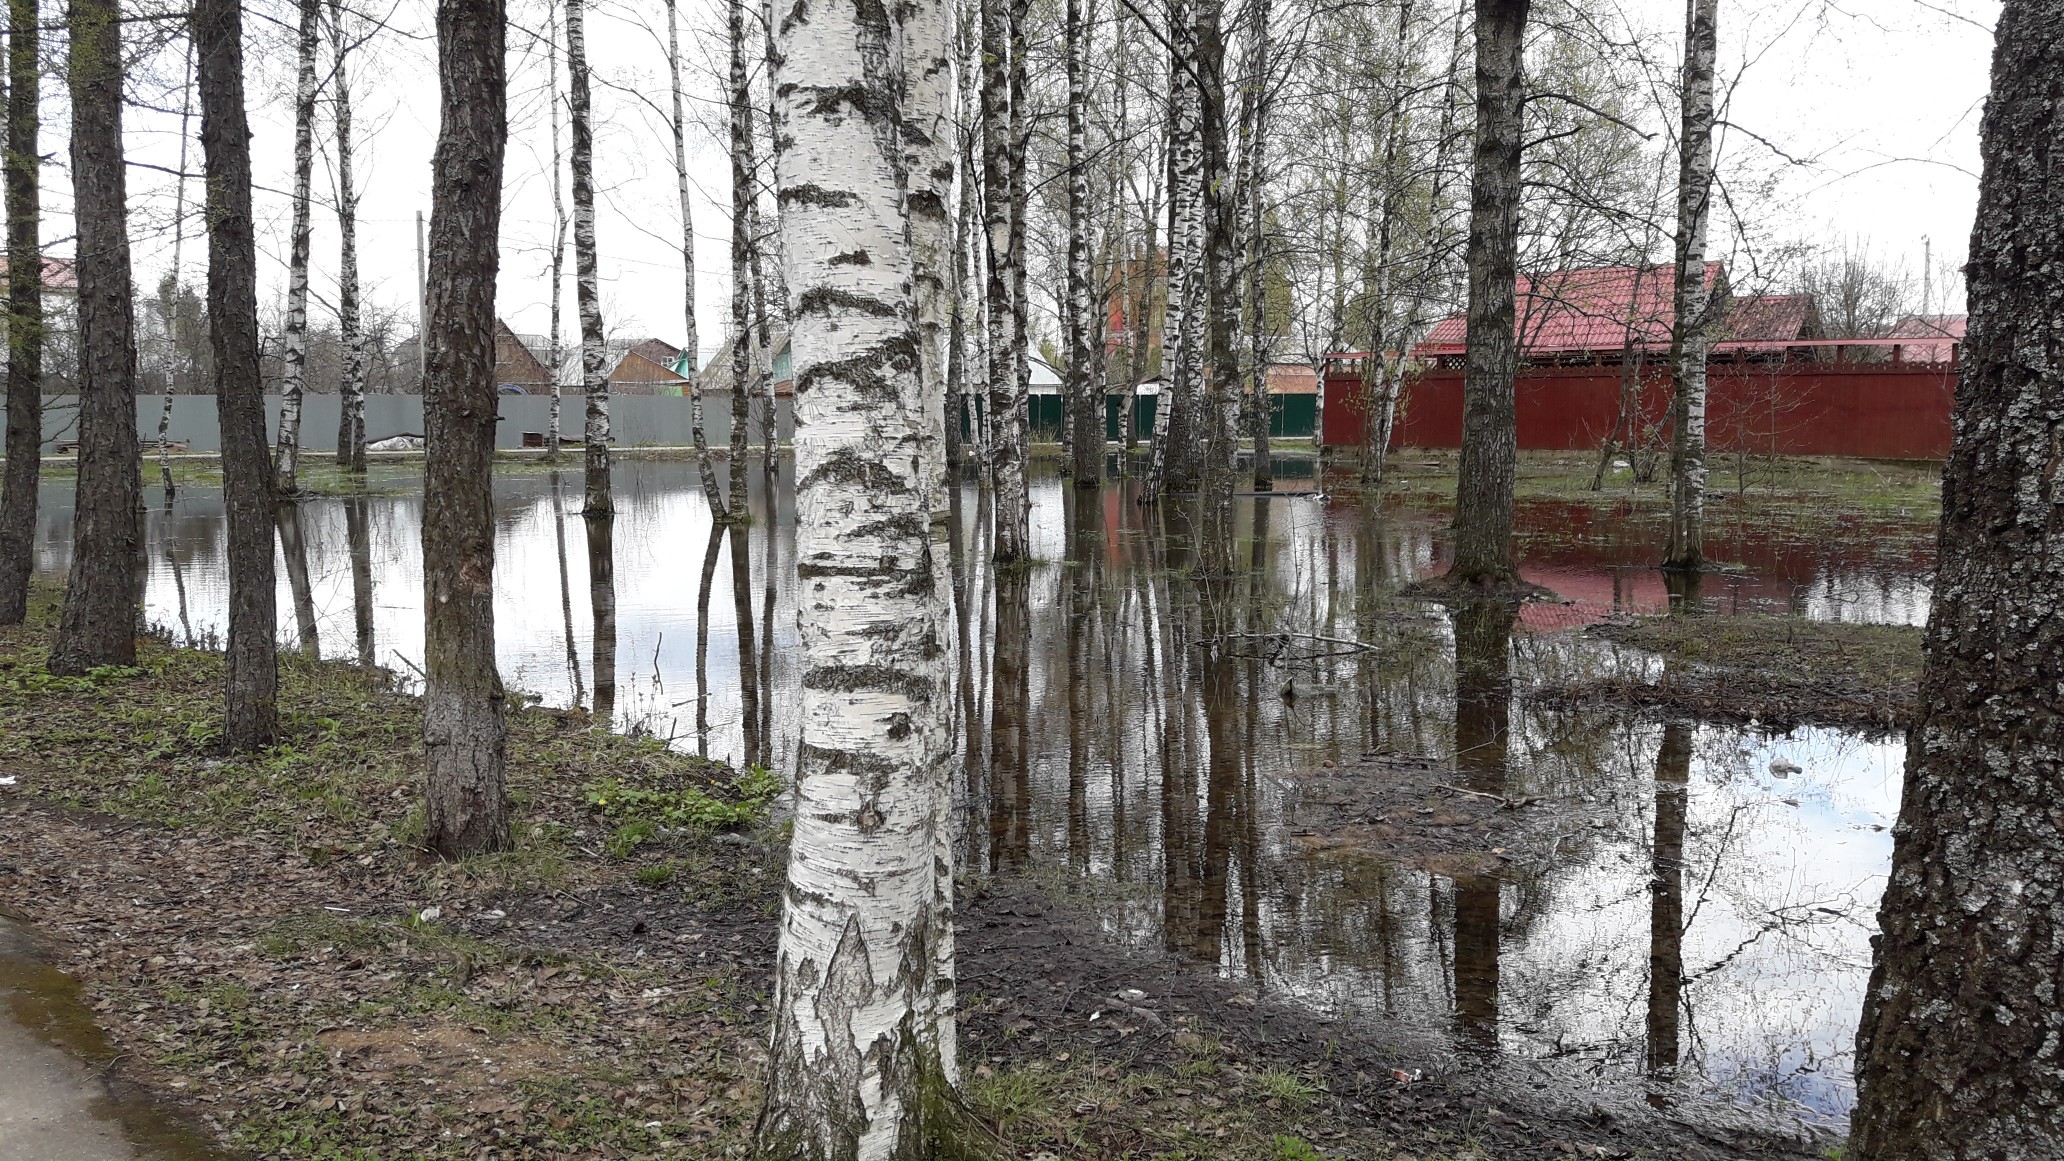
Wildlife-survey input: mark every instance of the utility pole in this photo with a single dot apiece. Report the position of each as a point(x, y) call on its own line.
point(423, 311)
point(1927, 276)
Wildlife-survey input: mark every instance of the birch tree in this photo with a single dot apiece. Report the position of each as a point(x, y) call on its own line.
point(1254, 120)
point(1490, 442)
point(464, 733)
point(24, 313)
point(351, 452)
point(552, 439)
point(930, 163)
point(1957, 1055)
point(862, 1062)
point(1172, 465)
point(294, 361)
point(742, 247)
point(1006, 407)
point(1688, 337)
point(1217, 422)
point(252, 689)
point(587, 286)
point(169, 288)
point(98, 624)
point(1085, 405)
point(698, 429)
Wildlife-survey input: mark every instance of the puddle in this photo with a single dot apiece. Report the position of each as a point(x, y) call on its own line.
point(54, 1102)
point(1146, 743)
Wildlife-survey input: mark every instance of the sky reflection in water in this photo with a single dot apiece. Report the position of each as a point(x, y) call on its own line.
point(1089, 677)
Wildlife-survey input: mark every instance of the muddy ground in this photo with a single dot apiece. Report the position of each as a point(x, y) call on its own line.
point(1777, 672)
point(273, 961)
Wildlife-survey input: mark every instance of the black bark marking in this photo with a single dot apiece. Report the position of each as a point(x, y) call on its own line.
point(825, 300)
point(868, 678)
point(812, 194)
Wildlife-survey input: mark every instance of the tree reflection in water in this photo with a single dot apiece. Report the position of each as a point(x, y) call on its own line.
point(1483, 731)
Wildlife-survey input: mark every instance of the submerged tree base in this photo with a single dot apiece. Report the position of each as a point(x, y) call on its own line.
point(1449, 589)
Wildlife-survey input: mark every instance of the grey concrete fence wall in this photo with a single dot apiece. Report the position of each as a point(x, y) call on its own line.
point(635, 420)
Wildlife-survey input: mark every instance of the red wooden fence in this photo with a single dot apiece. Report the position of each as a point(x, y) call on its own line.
point(1884, 409)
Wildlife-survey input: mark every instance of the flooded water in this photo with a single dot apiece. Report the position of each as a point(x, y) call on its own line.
point(1696, 927)
point(54, 1102)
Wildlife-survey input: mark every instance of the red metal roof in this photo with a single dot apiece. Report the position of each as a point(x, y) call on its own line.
point(1773, 318)
point(58, 274)
point(1583, 310)
point(1947, 328)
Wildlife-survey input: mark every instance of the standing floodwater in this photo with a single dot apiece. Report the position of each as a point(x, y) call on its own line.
point(54, 1105)
point(1220, 767)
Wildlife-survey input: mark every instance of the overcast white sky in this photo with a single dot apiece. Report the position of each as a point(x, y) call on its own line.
point(1879, 99)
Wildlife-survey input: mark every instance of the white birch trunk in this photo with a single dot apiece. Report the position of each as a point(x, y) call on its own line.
point(698, 430)
point(1173, 464)
point(861, 1063)
point(743, 245)
point(1083, 421)
point(168, 292)
point(587, 289)
point(351, 387)
point(558, 235)
point(287, 456)
point(1254, 164)
point(690, 340)
point(1005, 410)
point(1686, 549)
point(928, 159)
point(763, 241)
point(1013, 504)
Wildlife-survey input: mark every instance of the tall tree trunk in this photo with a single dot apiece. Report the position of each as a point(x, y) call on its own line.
point(1143, 319)
point(705, 467)
point(24, 314)
point(690, 340)
point(762, 286)
point(1688, 337)
point(742, 245)
point(351, 451)
point(252, 691)
point(1253, 160)
point(98, 624)
point(1490, 441)
point(750, 691)
point(558, 356)
point(1006, 407)
point(862, 1060)
point(763, 351)
point(169, 288)
point(929, 161)
point(464, 731)
point(1957, 1055)
point(587, 285)
point(702, 627)
point(1175, 456)
point(957, 448)
point(1218, 422)
point(294, 362)
point(1020, 266)
point(1085, 413)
